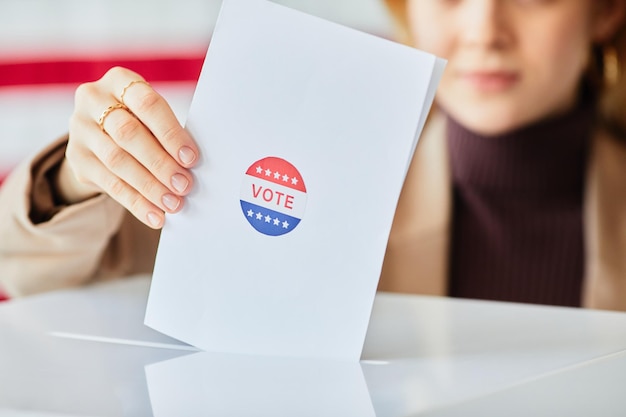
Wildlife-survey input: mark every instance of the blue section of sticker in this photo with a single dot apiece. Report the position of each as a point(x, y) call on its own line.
point(266, 221)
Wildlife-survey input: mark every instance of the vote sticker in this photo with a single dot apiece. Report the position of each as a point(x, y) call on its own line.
point(273, 196)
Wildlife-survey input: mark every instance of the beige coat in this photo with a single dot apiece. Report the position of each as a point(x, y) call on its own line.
point(98, 240)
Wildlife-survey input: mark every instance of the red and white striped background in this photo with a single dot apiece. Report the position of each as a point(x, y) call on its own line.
point(49, 47)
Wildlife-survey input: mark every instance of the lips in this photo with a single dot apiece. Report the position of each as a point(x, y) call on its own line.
point(490, 81)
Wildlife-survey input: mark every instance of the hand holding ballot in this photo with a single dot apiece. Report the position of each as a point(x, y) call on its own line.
point(125, 141)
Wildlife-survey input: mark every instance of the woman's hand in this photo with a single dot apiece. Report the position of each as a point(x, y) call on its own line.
point(125, 141)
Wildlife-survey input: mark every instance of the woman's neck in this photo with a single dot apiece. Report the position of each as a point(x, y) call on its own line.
point(548, 154)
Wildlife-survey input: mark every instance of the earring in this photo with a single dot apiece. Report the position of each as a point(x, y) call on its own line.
point(611, 65)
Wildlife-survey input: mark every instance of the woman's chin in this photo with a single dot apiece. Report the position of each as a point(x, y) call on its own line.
point(486, 120)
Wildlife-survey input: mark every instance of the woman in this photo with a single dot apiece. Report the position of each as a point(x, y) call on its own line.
point(514, 192)
point(524, 200)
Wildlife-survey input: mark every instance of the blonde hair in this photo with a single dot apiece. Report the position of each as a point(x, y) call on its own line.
point(607, 57)
point(612, 110)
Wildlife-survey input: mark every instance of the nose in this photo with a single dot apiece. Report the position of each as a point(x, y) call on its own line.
point(485, 24)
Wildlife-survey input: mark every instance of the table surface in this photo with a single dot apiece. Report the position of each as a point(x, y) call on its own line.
point(86, 352)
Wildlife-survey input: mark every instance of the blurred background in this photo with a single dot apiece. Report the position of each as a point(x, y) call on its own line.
point(49, 47)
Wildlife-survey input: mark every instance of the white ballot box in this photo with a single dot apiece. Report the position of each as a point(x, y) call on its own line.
point(306, 129)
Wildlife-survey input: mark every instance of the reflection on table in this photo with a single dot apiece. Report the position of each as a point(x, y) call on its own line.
point(86, 352)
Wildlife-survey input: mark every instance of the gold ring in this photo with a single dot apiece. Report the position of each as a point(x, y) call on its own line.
point(129, 85)
point(107, 111)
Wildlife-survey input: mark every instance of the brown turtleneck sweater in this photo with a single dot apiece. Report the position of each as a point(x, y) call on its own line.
point(517, 219)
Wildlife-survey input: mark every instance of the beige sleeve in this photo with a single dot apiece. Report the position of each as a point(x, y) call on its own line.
point(45, 245)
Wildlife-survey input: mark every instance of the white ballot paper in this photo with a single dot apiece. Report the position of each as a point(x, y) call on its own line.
point(306, 129)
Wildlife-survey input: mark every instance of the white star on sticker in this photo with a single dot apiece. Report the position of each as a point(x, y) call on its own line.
point(276, 221)
point(259, 216)
point(268, 219)
point(285, 224)
point(268, 172)
point(285, 177)
point(294, 180)
point(250, 213)
point(259, 169)
point(276, 175)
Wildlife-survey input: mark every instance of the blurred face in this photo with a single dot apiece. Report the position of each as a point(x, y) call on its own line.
point(510, 62)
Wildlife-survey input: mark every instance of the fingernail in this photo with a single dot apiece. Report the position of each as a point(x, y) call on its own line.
point(154, 219)
point(180, 182)
point(186, 155)
point(171, 201)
